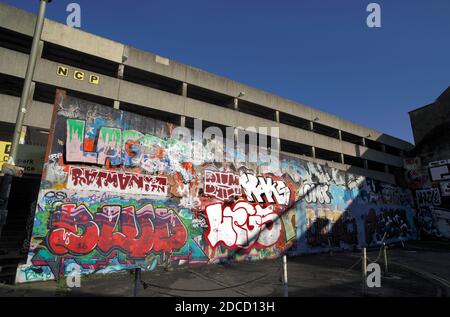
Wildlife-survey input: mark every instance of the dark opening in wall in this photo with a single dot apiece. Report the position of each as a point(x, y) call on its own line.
point(67, 56)
point(256, 110)
point(208, 124)
point(374, 145)
point(395, 170)
point(295, 148)
point(375, 166)
point(352, 138)
point(294, 121)
point(328, 155)
point(6, 131)
point(151, 113)
point(392, 150)
point(15, 41)
point(11, 85)
point(354, 161)
point(142, 77)
point(189, 123)
point(44, 93)
point(92, 98)
point(210, 96)
point(326, 130)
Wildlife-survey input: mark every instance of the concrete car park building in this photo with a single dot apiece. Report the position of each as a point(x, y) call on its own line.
point(114, 74)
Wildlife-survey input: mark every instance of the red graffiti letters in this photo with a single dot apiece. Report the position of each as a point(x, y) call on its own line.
point(75, 231)
point(104, 180)
point(221, 185)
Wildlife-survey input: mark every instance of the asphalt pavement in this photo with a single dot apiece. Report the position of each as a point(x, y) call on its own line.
point(416, 269)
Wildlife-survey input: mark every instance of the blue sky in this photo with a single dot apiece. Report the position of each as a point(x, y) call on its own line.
point(317, 52)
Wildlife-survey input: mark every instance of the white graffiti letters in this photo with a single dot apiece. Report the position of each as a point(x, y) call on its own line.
point(257, 186)
point(243, 225)
point(313, 193)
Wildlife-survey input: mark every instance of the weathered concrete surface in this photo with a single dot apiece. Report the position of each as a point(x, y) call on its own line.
point(423, 272)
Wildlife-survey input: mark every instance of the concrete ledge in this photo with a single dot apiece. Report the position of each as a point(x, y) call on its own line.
point(78, 40)
point(39, 114)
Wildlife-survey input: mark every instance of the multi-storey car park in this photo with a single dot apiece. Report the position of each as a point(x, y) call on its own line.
point(123, 77)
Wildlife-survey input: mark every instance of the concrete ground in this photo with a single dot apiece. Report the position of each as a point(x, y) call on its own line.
point(418, 269)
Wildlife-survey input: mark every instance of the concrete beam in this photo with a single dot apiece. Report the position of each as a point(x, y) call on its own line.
point(81, 41)
point(38, 115)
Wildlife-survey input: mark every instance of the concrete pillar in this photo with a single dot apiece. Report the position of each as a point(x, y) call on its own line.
point(383, 148)
point(236, 104)
point(366, 164)
point(120, 71)
point(386, 168)
point(183, 121)
point(313, 151)
point(184, 89)
point(363, 141)
point(340, 134)
point(277, 116)
point(342, 158)
point(311, 125)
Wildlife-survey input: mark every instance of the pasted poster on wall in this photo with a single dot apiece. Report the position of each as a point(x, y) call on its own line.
point(117, 193)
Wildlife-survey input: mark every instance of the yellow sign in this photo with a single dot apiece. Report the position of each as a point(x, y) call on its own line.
point(5, 147)
point(29, 157)
point(77, 74)
point(62, 71)
point(94, 79)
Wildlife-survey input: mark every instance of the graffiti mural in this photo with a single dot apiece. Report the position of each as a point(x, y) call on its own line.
point(118, 192)
point(431, 185)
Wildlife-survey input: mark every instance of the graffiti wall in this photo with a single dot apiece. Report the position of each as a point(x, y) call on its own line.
point(430, 183)
point(117, 193)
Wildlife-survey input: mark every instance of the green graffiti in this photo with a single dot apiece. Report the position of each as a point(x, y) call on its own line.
point(76, 127)
point(108, 135)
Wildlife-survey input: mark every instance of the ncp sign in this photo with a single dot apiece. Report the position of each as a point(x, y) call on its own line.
point(78, 75)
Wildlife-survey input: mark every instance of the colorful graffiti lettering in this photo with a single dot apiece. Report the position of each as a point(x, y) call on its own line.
point(76, 231)
point(104, 180)
point(119, 192)
point(222, 185)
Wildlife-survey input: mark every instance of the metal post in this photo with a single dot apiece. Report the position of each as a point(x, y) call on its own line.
point(329, 246)
point(385, 258)
point(5, 186)
point(364, 271)
point(137, 281)
point(285, 277)
point(25, 97)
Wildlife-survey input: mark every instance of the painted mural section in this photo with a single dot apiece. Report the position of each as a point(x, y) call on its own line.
point(430, 184)
point(118, 192)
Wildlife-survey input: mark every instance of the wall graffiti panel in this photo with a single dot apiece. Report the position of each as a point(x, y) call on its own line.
point(118, 192)
point(431, 186)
